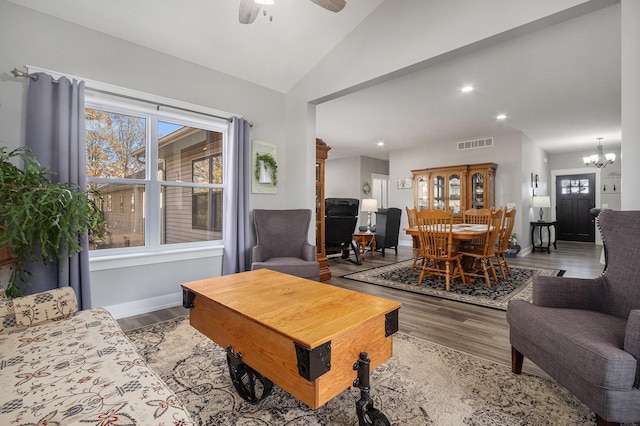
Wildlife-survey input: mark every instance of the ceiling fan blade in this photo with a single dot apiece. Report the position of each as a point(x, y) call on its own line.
point(248, 11)
point(332, 5)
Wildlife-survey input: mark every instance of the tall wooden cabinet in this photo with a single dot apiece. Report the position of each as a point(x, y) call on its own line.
point(455, 188)
point(322, 151)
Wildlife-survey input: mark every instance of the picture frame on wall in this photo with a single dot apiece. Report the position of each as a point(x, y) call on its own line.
point(405, 183)
point(259, 186)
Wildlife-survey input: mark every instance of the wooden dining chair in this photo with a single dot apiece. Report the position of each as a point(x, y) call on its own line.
point(476, 217)
point(440, 256)
point(413, 222)
point(502, 244)
point(481, 256)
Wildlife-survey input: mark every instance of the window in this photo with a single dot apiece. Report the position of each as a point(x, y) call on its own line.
point(207, 203)
point(574, 186)
point(164, 170)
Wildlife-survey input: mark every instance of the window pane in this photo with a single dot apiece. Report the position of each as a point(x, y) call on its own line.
point(125, 223)
point(188, 154)
point(191, 214)
point(115, 145)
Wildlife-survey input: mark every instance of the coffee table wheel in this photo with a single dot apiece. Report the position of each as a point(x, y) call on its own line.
point(252, 386)
point(367, 414)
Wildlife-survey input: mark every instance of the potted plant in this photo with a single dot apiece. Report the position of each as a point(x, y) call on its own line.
point(513, 248)
point(40, 220)
point(265, 163)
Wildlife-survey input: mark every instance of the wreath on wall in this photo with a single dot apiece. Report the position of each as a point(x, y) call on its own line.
point(270, 162)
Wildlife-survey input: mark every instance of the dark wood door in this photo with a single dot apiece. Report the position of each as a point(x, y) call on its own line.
point(575, 196)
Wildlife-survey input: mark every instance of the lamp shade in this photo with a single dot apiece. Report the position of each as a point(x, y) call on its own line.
point(541, 201)
point(369, 205)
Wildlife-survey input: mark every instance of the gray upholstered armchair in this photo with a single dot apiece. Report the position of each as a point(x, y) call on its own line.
point(281, 243)
point(585, 333)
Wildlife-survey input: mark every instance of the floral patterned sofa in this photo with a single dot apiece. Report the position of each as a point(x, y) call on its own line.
point(59, 367)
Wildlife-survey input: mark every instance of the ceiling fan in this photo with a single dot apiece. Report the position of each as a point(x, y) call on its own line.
point(249, 9)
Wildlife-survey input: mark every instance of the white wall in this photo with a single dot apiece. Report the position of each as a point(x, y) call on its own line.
point(31, 38)
point(344, 178)
point(630, 12)
point(506, 152)
point(609, 177)
point(391, 42)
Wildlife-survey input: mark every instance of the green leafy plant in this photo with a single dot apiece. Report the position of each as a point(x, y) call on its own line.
point(270, 162)
point(41, 221)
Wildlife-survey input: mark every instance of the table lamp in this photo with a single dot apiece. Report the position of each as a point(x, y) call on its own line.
point(541, 201)
point(369, 205)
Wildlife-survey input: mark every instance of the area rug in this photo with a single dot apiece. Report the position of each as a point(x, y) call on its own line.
point(515, 286)
point(422, 384)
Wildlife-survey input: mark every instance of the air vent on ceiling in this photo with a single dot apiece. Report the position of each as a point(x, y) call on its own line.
point(476, 143)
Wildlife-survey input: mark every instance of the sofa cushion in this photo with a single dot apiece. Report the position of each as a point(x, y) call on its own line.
point(78, 371)
point(23, 312)
point(585, 343)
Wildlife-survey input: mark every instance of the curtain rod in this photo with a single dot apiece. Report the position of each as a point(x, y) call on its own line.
point(17, 73)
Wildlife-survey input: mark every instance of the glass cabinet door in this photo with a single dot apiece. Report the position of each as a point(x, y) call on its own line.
point(438, 193)
point(423, 193)
point(454, 194)
point(477, 191)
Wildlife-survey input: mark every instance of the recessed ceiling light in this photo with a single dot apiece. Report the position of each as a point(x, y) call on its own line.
point(380, 143)
point(501, 116)
point(467, 89)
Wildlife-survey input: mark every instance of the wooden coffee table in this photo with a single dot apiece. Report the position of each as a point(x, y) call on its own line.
point(305, 336)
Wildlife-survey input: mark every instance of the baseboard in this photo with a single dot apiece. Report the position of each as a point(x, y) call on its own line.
point(145, 306)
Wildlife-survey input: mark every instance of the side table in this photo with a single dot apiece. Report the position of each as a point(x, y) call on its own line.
point(541, 225)
point(363, 239)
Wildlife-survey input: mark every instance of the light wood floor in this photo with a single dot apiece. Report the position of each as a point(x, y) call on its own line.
point(476, 330)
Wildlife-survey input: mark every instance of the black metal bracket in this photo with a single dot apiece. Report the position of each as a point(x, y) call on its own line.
point(252, 386)
point(313, 363)
point(367, 414)
point(391, 323)
point(188, 298)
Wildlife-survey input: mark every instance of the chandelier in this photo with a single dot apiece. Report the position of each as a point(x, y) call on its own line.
point(598, 160)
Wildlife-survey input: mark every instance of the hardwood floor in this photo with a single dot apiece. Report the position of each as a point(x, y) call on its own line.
point(473, 329)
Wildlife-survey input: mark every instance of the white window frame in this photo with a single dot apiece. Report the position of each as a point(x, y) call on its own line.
point(153, 115)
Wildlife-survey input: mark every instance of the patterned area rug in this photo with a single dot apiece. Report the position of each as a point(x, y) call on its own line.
point(516, 286)
point(422, 384)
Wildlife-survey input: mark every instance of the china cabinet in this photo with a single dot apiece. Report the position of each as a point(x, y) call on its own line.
point(322, 151)
point(455, 188)
point(482, 184)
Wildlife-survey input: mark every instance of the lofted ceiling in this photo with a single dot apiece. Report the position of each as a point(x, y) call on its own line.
point(559, 86)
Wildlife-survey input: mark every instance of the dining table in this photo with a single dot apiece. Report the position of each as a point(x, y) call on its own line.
point(461, 233)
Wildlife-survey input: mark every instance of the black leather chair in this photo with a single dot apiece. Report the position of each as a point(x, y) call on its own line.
point(387, 228)
point(341, 216)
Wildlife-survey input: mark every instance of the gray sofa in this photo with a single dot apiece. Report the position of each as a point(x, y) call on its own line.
point(585, 333)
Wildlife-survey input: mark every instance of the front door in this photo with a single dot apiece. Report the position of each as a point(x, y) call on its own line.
point(575, 196)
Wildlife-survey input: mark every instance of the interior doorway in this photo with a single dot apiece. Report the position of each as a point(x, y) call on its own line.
point(380, 189)
point(575, 197)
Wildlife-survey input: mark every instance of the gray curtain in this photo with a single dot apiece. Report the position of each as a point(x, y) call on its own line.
point(55, 134)
point(236, 210)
